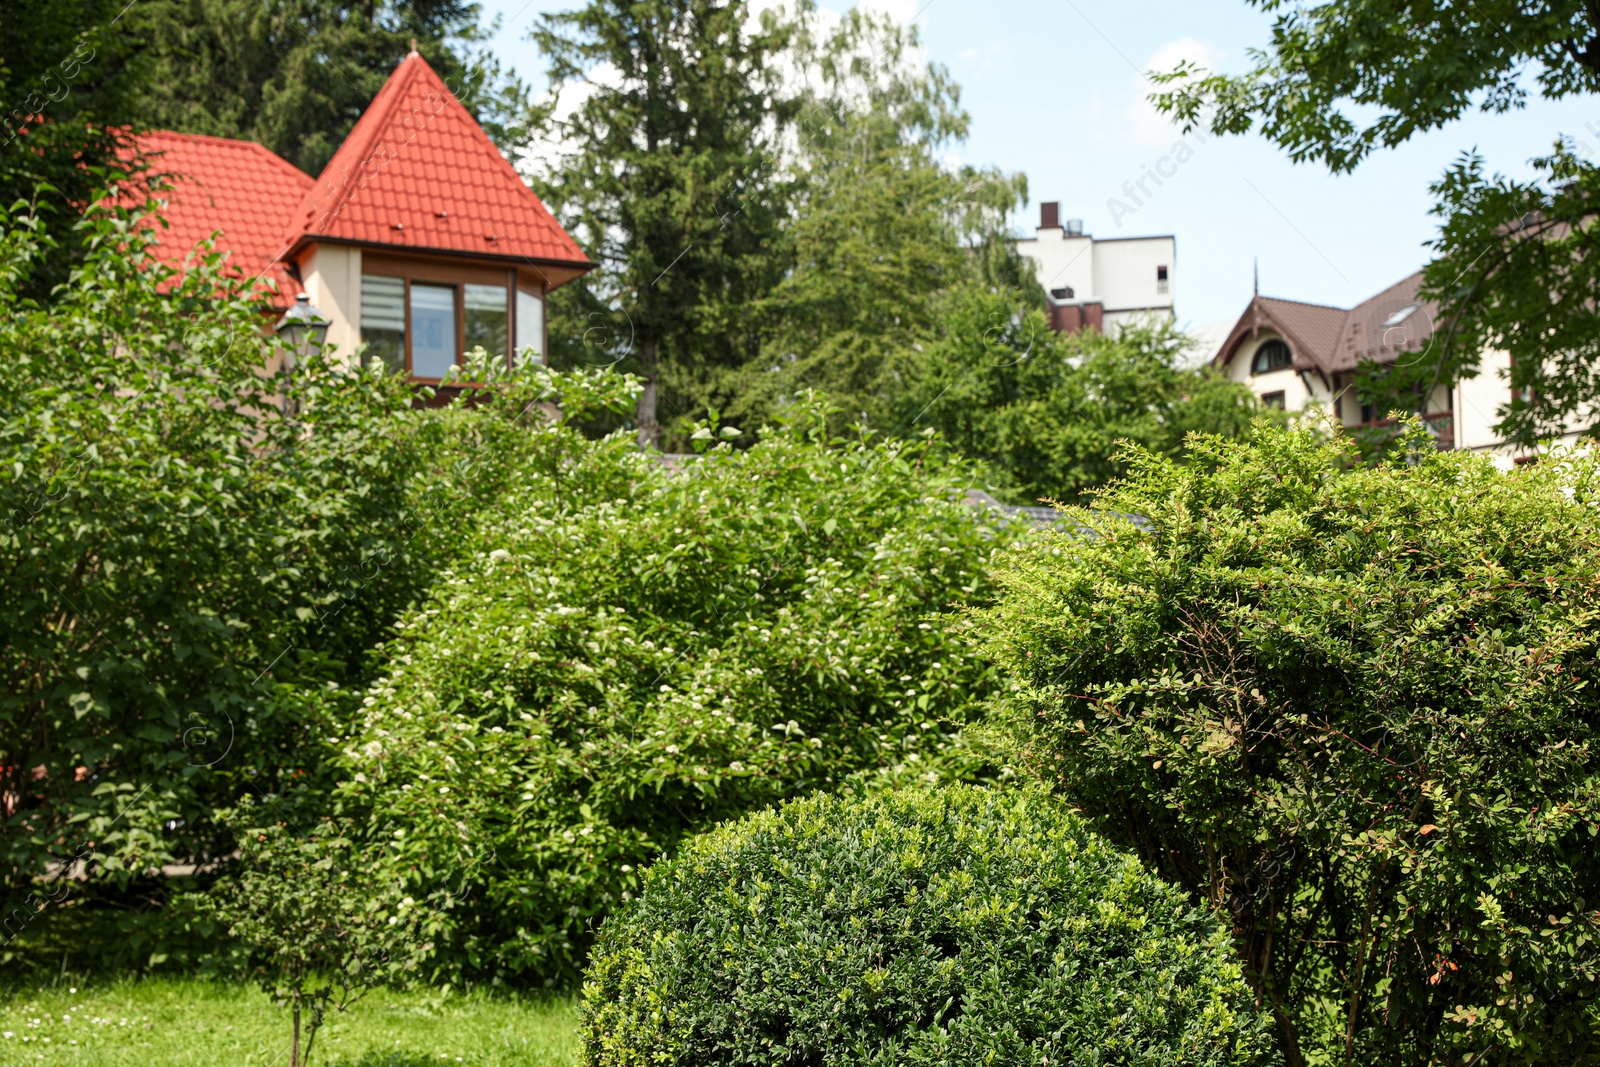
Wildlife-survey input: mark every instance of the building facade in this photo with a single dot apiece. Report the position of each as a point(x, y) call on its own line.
point(1295, 356)
point(418, 240)
point(1099, 283)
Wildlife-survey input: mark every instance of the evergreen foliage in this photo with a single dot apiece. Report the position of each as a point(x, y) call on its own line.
point(296, 75)
point(668, 176)
point(1356, 708)
point(962, 925)
point(69, 80)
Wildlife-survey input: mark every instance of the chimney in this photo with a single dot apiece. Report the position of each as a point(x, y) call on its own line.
point(1049, 215)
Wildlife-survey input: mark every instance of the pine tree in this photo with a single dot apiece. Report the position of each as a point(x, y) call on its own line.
point(295, 75)
point(669, 174)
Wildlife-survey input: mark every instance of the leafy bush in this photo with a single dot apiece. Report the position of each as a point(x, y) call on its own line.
point(177, 560)
point(311, 920)
point(1046, 411)
point(1356, 707)
point(608, 672)
point(960, 925)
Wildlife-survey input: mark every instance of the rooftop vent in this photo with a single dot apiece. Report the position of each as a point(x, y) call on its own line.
point(1074, 227)
point(1063, 293)
point(1402, 315)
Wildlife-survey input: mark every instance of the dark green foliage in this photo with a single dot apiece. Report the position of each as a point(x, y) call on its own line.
point(1517, 267)
point(295, 75)
point(1514, 265)
point(1045, 411)
point(619, 664)
point(672, 184)
point(69, 77)
point(1355, 707)
point(1334, 57)
point(962, 925)
point(180, 564)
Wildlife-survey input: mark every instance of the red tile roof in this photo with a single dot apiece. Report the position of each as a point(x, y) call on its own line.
point(237, 187)
point(419, 172)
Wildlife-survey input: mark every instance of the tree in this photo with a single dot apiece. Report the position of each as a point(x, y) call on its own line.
point(315, 924)
point(1355, 707)
point(1049, 414)
point(1343, 78)
point(68, 80)
point(296, 75)
point(669, 175)
point(180, 566)
point(880, 229)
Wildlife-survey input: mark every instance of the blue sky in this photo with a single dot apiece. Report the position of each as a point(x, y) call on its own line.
point(1054, 91)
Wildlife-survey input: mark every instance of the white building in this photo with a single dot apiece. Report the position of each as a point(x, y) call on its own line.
point(1295, 355)
point(1099, 283)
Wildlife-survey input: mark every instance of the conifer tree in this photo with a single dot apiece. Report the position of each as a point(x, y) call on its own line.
point(669, 174)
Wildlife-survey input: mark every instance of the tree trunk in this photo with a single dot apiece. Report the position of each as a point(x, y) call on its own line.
point(294, 1042)
point(645, 409)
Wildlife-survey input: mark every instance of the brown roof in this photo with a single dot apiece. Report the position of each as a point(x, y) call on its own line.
point(1333, 340)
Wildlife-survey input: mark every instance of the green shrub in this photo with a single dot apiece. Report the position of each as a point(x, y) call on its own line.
point(957, 925)
point(311, 920)
point(609, 672)
point(177, 561)
point(1358, 708)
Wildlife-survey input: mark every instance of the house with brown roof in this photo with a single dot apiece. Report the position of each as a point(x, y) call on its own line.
point(1294, 356)
point(418, 240)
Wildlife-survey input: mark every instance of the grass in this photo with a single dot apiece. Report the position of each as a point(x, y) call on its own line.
point(187, 1022)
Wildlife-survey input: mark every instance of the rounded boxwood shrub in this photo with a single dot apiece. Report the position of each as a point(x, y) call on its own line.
point(953, 925)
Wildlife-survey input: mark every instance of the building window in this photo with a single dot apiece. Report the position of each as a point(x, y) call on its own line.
point(530, 322)
point(486, 317)
point(433, 330)
point(1273, 400)
point(383, 320)
point(1274, 355)
point(1161, 280)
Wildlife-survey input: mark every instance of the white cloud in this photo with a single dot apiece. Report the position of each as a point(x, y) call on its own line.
point(902, 11)
point(1140, 122)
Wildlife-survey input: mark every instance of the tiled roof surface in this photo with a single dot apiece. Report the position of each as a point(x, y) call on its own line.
point(1333, 340)
point(238, 187)
point(419, 172)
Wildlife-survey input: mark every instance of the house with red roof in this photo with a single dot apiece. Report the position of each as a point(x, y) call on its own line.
point(418, 240)
point(1295, 355)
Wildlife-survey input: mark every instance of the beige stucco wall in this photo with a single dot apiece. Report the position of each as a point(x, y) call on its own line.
point(1297, 394)
point(332, 275)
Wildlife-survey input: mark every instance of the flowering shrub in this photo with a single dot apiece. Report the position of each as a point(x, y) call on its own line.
point(177, 560)
point(1357, 708)
point(958, 925)
point(608, 672)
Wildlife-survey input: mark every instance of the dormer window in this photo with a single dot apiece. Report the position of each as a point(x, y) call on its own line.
point(1271, 356)
point(420, 316)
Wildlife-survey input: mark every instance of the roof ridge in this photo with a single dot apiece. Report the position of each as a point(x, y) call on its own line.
point(359, 144)
point(1301, 303)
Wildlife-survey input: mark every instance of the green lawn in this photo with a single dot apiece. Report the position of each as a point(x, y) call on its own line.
point(156, 1022)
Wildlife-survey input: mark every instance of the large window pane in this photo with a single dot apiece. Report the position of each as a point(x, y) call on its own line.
point(530, 322)
point(485, 316)
point(383, 321)
point(433, 330)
